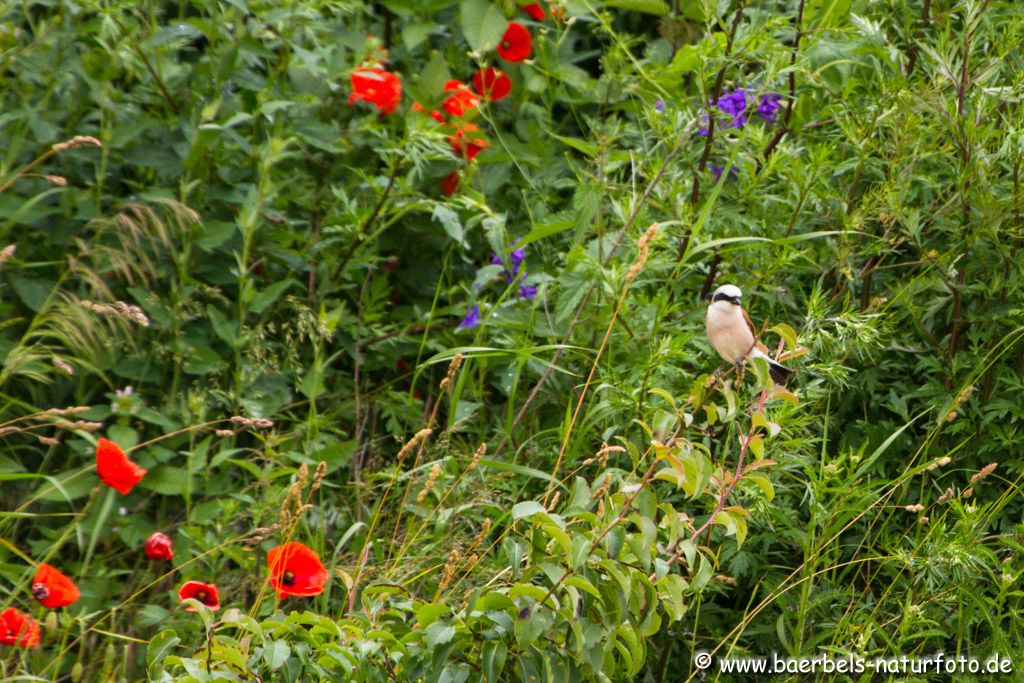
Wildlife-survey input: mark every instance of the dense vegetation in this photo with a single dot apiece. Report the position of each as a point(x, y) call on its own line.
point(329, 280)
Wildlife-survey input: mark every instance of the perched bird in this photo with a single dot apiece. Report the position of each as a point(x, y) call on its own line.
point(732, 334)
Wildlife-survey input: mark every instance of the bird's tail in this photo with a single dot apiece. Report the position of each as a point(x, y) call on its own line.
point(779, 372)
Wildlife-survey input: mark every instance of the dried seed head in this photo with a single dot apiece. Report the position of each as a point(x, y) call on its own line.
point(477, 457)
point(318, 476)
point(984, 472)
point(485, 529)
point(57, 180)
point(453, 368)
point(967, 493)
point(224, 432)
point(435, 471)
point(916, 507)
point(77, 141)
point(923, 520)
point(7, 253)
point(48, 440)
point(642, 250)
point(419, 436)
point(554, 501)
point(941, 462)
point(62, 365)
point(944, 498)
point(119, 309)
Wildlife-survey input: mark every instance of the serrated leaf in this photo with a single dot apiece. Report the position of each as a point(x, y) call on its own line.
point(483, 24)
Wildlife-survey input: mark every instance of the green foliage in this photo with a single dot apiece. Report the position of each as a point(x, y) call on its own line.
point(493, 412)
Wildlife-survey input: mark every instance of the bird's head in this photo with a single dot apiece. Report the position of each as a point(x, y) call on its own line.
point(730, 293)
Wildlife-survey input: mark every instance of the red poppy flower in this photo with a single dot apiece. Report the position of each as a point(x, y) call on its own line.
point(492, 83)
point(114, 467)
point(18, 629)
point(205, 593)
point(53, 588)
point(434, 114)
point(159, 547)
point(296, 570)
point(535, 10)
point(463, 146)
point(462, 101)
point(450, 183)
point(517, 43)
point(377, 86)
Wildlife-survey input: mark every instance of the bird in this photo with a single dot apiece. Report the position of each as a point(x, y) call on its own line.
point(732, 334)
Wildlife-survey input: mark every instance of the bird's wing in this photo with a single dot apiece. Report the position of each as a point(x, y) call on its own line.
point(746, 318)
point(753, 332)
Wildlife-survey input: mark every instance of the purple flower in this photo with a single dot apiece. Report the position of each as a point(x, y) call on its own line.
point(717, 171)
point(735, 105)
point(516, 258)
point(768, 105)
point(659, 106)
point(471, 320)
point(527, 292)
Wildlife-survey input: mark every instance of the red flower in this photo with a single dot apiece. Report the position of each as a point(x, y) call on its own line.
point(52, 588)
point(492, 83)
point(159, 547)
point(377, 86)
point(296, 570)
point(434, 114)
point(450, 183)
point(205, 593)
point(463, 101)
point(517, 43)
point(535, 10)
point(114, 467)
point(463, 146)
point(18, 629)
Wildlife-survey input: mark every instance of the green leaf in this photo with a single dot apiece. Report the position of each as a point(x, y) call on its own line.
point(165, 480)
point(276, 654)
point(527, 508)
point(160, 646)
point(429, 613)
point(438, 633)
point(269, 295)
point(483, 24)
point(492, 659)
point(787, 333)
point(659, 7)
point(449, 220)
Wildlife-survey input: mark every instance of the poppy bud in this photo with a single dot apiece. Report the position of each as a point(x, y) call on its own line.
point(159, 547)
